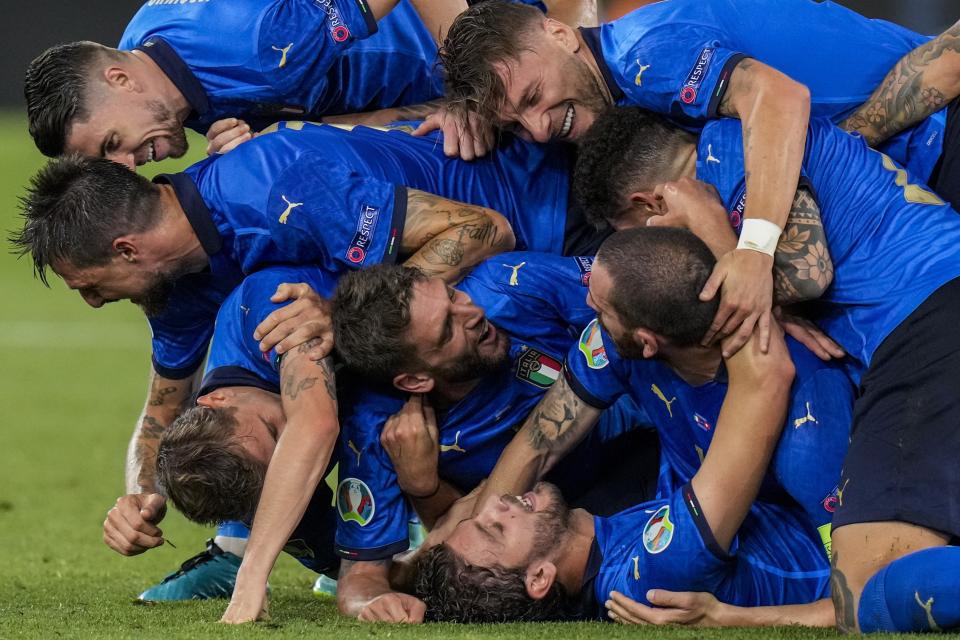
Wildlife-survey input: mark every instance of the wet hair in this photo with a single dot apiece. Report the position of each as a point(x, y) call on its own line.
point(57, 89)
point(75, 207)
point(656, 276)
point(627, 149)
point(204, 469)
point(455, 591)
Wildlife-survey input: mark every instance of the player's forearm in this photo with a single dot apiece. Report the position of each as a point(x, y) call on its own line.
point(360, 582)
point(166, 399)
point(803, 267)
point(921, 83)
point(774, 111)
point(381, 8)
point(815, 614)
point(430, 509)
point(383, 117)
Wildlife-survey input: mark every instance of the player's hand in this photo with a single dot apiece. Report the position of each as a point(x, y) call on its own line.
point(393, 607)
point(130, 527)
point(458, 511)
point(696, 609)
point(411, 439)
point(809, 335)
point(224, 135)
point(308, 317)
point(248, 604)
point(744, 279)
point(466, 135)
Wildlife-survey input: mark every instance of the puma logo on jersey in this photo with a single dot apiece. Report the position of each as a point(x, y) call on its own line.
point(514, 281)
point(643, 67)
point(805, 419)
point(840, 492)
point(927, 609)
point(636, 567)
point(283, 54)
point(453, 447)
point(290, 207)
point(710, 156)
point(357, 452)
point(663, 398)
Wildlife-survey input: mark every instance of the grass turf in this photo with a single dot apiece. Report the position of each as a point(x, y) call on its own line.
point(73, 381)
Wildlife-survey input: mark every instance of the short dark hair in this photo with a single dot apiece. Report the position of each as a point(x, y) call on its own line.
point(205, 471)
point(75, 207)
point(455, 591)
point(56, 87)
point(371, 314)
point(626, 149)
point(656, 276)
point(487, 34)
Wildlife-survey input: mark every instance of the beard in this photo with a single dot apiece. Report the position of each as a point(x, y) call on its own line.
point(166, 118)
point(552, 523)
point(474, 365)
point(590, 93)
point(626, 348)
point(155, 298)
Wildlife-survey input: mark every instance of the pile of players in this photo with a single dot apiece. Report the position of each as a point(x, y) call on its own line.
point(534, 261)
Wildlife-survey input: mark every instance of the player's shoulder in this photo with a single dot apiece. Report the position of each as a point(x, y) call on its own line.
point(531, 271)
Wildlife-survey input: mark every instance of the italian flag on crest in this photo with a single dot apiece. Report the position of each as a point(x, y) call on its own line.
point(538, 368)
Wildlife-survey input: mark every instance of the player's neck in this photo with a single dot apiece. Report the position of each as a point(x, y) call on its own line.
point(684, 163)
point(177, 242)
point(695, 364)
point(572, 563)
point(447, 394)
point(586, 54)
point(167, 92)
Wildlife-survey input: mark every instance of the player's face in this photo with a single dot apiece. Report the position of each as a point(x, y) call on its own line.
point(259, 415)
point(129, 129)
point(551, 93)
point(119, 280)
point(598, 297)
point(513, 531)
point(452, 334)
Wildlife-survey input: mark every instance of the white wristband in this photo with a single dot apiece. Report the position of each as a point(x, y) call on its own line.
point(760, 235)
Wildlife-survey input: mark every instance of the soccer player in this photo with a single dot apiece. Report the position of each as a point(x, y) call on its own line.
point(179, 246)
point(693, 60)
point(895, 295)
point(192, 64)
point(476, 359)
point(529, 557)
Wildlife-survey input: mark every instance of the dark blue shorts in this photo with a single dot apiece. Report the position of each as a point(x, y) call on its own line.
point(904, 458)
point(946, 175)
point(311, 543)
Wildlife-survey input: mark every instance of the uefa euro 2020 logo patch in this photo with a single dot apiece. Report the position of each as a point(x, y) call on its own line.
point(355, 502)
point(658, 532)
point(591, 346)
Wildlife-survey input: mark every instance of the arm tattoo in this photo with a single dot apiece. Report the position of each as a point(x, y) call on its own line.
point(906, 96)
point(744, 81)
point(444, 251)
point(554, 420)
point(842, 598)
point(291, 387)
point(802, 267)
point(156, 400)
point(147, 445)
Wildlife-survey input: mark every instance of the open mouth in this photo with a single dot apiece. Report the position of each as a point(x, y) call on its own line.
point(527, 501)
point(567, 122)
point(486, 332)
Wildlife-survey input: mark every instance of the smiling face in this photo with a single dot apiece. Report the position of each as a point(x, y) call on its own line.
point(551, 92)
point(128, 128)
point(451, 335)
point(513, 531)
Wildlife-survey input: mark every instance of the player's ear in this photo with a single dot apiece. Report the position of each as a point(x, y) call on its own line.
point(540, 578)
point(214, 399)
point(563, 34)
point(640, 206)
point(126, 248)
point(118, 77)
point(647, 340)
point(414, 382)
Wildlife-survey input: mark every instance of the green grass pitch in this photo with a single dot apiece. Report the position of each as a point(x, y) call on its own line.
point(73, 380)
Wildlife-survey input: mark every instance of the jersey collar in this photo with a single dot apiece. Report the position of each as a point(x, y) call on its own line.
point(589, 606)
point(591, 35)
point(179, 73)
point(195, 209)
point(234, 377)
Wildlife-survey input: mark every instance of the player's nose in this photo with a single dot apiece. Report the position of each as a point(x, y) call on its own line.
point(92, 299)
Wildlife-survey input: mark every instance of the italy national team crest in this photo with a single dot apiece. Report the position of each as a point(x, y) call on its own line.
point(702, 422)
point(658, 532)
point(591, 346)
point(355, 501)
point(538, 368)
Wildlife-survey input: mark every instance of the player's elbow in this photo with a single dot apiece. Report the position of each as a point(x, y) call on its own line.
point(501, 237)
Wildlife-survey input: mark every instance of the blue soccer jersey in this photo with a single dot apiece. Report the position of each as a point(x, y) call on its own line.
point(676, 58)
point(236, 361)
point(775, 558)
point(809, 457)
point(323, 195)
point(892, 241)
point(265, 61)
point(539, 301)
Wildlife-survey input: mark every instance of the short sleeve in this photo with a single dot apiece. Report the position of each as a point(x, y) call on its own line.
point(594, 371)
point(326, 214)
point(372, 513)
